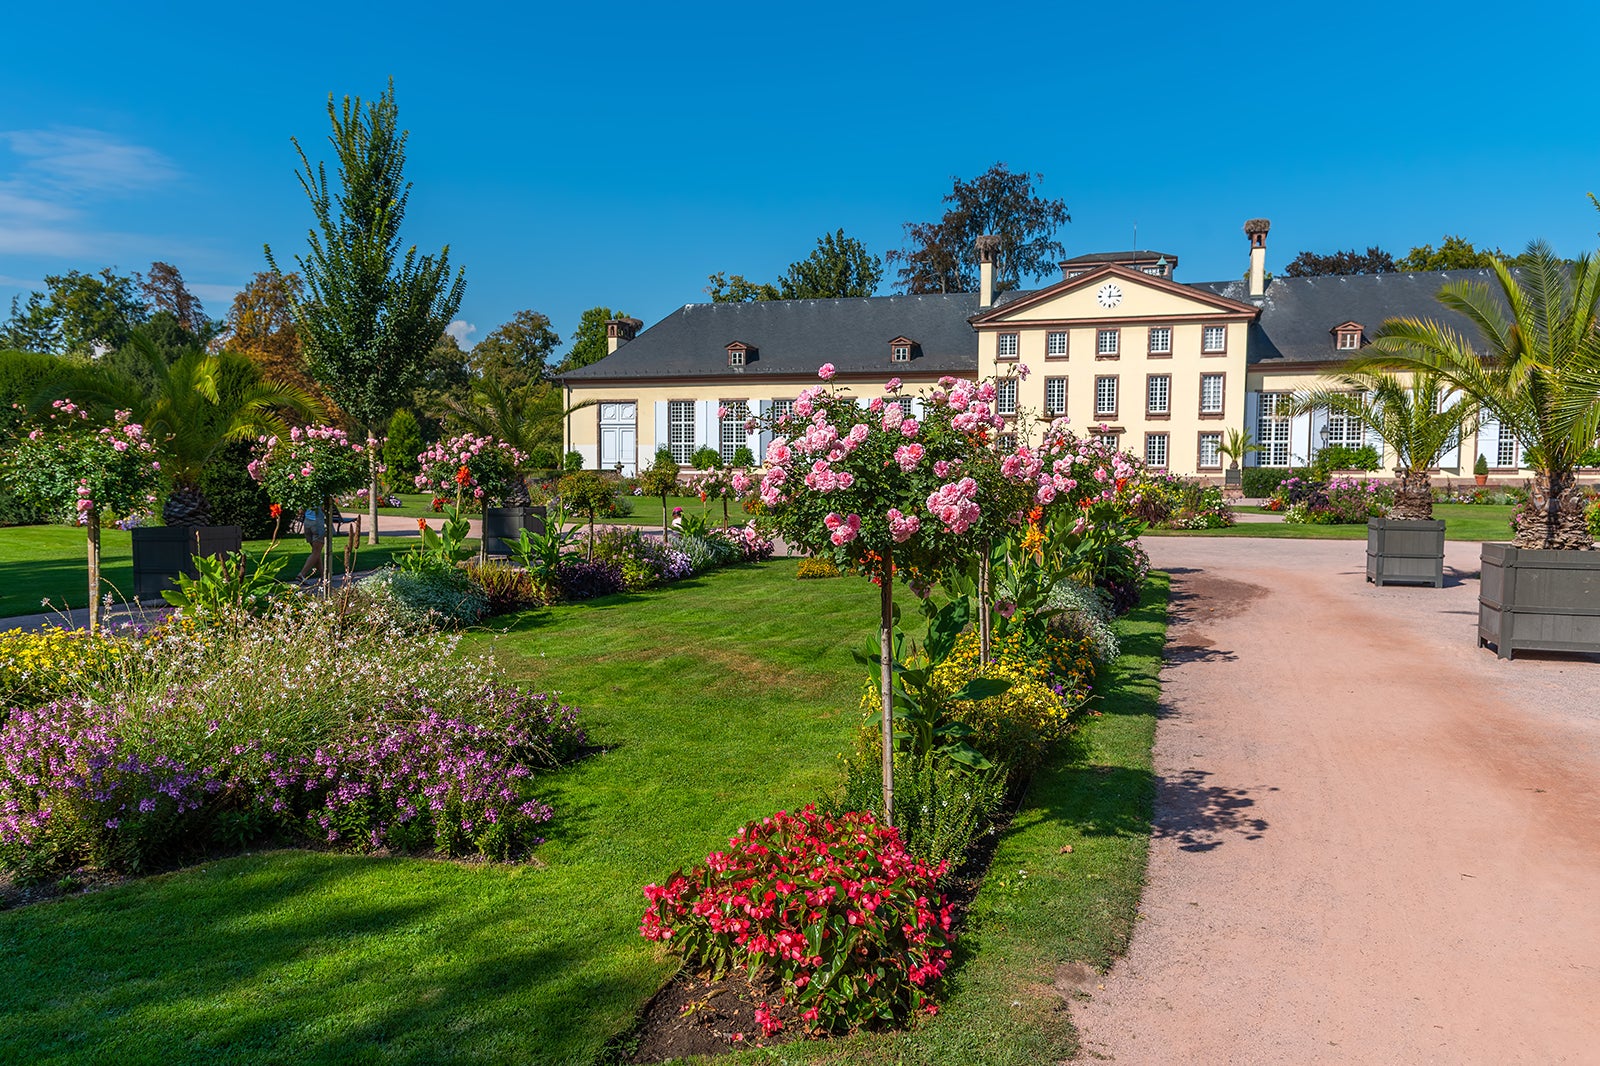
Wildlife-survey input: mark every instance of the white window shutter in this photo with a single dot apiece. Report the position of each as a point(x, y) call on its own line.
point(757, 441)
point(1300, 440)
point(1319, 422)
point(1451, 459)
point(1489, 440)
point(663, 440)
point(1252, 425)
point(705, 431)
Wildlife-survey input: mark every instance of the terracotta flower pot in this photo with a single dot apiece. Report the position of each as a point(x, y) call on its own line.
point(1482, 479)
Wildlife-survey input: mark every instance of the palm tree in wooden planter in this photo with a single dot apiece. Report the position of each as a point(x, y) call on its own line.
point(1415, 420)
point(1236, 445)
point(1536, 369)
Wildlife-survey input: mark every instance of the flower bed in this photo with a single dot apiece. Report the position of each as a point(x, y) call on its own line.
point(1337, 501)
point(847, 925)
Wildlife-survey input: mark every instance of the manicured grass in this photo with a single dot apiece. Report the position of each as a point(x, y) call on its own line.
point(718, 700)
point(51, 562)
point(1463, 521)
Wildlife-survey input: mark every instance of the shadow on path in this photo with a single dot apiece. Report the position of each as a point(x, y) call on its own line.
point(1201, 816)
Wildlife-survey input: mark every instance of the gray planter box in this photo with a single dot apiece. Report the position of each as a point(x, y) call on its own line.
point(1537, 599)
point(1405, 553)
point(161, 553)
point(501, 524)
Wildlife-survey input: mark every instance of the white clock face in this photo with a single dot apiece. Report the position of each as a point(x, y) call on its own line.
point(1109, 295)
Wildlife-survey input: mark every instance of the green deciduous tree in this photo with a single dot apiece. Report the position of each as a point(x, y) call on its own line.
point(589, 339)
point(1453, 253)
point(941, 256)
point(1535, 367)
point(1315, 265)
point(839, 266)
point(402, 444)
point(371, 312)
point(77, 314)
point(517, 354)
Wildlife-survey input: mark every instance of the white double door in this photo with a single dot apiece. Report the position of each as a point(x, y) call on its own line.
point(618, 437)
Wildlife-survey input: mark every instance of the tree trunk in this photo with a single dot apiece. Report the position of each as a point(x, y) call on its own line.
point(327, 543)
point(93, 519)
point(985, 619)
point(372, 487)
point(886, 678)
point(1413, 497)
point(1554, 518)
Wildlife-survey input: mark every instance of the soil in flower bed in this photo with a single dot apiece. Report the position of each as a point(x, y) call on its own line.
point(695, 1016)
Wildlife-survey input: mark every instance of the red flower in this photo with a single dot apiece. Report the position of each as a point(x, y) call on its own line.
point(276, 510)
point(422, 523)
point(463, 476)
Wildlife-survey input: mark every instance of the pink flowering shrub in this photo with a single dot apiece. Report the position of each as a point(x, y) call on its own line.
point(70, 467)
point(491, 464)
point(834, 908)
point(308, 466)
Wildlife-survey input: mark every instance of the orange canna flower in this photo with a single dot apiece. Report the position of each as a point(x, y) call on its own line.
point(463, 476)
point(276, 510)
point(422, 523)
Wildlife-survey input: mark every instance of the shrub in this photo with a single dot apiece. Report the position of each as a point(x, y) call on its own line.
point(642, 561)
point(941, 808)
point(481, 467)
point(814, 567)
point(836, 910)
point(427, 599)
point(705, 459)
point(1259, 482)
point(1591, 515)
point(1171, 502)
point(86, 783)
point(572, 461)
point(1081, 615)
point(1018, 726)
point(505, 588)
point(1343, 457)
point(743, 456)
point(401, 446)
point(236, 498)
point(47, 664)
point(579, 579)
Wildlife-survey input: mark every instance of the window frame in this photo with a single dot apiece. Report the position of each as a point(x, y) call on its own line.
point(1063, 383)
point(736, 357)
point(1166, 450)
point(1204, 330)
point(1149, 400)
point(1270, 443)
point(1049, 343)
point(1200, 450)
point(1100, 335)
point(1222, 400)
point(1000, 343)
point(900, 353)
point(738, 415)
point(689, 444)
point(1002, 389)
point(1150, 342)
point(1116, 396)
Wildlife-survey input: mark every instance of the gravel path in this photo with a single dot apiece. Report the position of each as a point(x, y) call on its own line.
point(1374, 842)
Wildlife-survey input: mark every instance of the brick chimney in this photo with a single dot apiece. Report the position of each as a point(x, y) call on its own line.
point(620, 331)
point(988, 245)
point(1256, 229)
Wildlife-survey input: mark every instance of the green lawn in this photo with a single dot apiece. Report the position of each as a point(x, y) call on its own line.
point(1463, 521)
point(51, 562)
point(717, 701)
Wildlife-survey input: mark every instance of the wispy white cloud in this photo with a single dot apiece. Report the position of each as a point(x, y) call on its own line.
point(216, 298)
point(51, 182)
point(461, 330)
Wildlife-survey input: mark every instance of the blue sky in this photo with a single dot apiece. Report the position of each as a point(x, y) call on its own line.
point(588, 154)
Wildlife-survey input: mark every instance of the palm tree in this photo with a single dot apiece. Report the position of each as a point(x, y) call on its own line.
point(1412, 419)
point(529, 420)
point(1537, 372)
point(195, 407)
point(1236, 445)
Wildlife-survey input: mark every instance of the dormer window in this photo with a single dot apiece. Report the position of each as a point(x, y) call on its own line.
point(1347, 336)
point(900, 350)
point(739, 353)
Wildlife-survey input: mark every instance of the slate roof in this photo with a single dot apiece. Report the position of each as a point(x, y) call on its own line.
point(794, 337)
point(1140, 256)
point(1298, 314)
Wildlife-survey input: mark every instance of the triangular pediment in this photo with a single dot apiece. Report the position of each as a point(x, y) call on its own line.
point(1113, 292)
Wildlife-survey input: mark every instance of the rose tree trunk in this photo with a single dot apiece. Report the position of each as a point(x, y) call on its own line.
point(372, 488)
point(886, 677)
point(93, 519)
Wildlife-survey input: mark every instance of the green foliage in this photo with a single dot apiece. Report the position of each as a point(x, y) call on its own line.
point(1343, 457)
point(439, 551)
point(589, 339)
point(743, 456)
point(74, 467)
point(572, 461)
point(942, 257)
point(76, 314)
point(1260, 482)
point(427, 599)
point(705, 459)
point(371, 313)
point(336, 466)
point(839, 266)
point(516, 354)
point(1481, 467)
point(235, 498)
point(402, 444)
point(225, 585)
point(505, 588)
point(1455, 253)
point(1315, 265)
point(940, 809)
point(539, 552)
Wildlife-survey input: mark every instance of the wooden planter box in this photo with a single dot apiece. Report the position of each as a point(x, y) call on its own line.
point(1405, 553)
point(1539, 599)
point(501, 524)
point(161, 553)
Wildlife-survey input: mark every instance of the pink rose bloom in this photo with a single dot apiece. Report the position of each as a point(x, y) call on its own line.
point(858, 433)
point(778, 452)
point(802, 408)
point(722, 411)
point(826, 372)
point(1023, 371)
point(875, 404)
point(893, 385)
point(901, 526)
point(908, 456)
point(892, 418)
point(741, 483)
point(909, 428)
